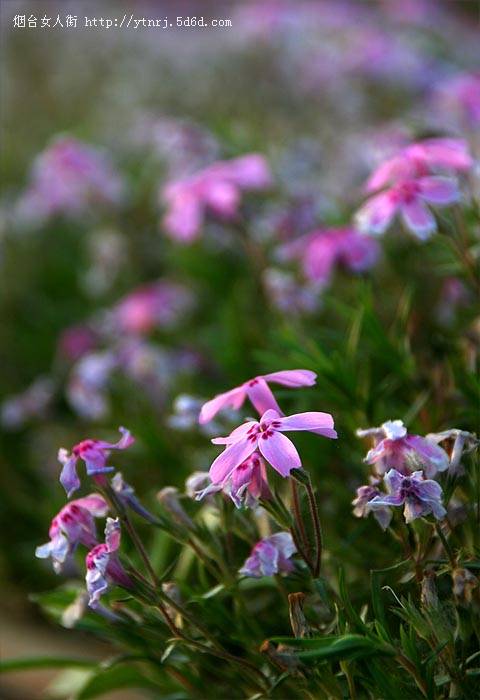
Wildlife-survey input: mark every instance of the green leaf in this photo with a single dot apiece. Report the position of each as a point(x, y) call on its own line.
point(27, 664)
point(114, 678)
point(335, 648)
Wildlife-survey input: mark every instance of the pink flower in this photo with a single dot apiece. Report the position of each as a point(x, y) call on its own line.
point(461, 95)
point(258, 391)
point(267, 437)
point(72, 526)
point(76, 341)
point(245, 485)
point(394, 448)
point(320, 252)
point(151, 306)
point(94, 453)
point(419, 496)
point(103, 565)
point(270, 556)
point(216, 190)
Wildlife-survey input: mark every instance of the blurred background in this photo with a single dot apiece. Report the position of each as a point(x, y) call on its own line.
point(322, 90)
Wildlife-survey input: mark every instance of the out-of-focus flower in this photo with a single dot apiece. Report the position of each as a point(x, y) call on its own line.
point(67, 178)
point(288, 295)
point(168, 497)
point(453, 296)
point(320, 251)
point(94, 453)
point(72, 526)
point(104, 567)
point(267, 436)
point(87, 384)
point(460, 96)
point(216, 190)
point(419, 496)
point(156, 305)
point(408, 183)
point(270, 556)
point(107, 253)
point(258, 391)
point(245, 485)
point(76, 341)
point(395, 449)
point(76, 610)
point(126, 495)
point(465, 584)
point(16, 410)
point(459, 442)
point(361, 504)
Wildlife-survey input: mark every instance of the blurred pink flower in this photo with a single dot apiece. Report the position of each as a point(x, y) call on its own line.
point(216, 190)
point(258, 391)
point(72, 526)
point(245, 484)
point(270, 556)
point(76, 341)
point(267, 437)
point(320, 251)
point(103, 565)
point(67, 177)
point(94, 453)
point(460, 95)
point(151, 306)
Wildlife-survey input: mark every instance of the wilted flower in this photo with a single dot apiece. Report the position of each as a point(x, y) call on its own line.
point(217, 190)
point(258, 392)
point(460, 442)
point(104, 567)
point(270, 556)
point(267, 436)
point(394, 448)
point(16, 410)
point(72, 526)
point(419, 496)
point(94, 453)
point(67, 178)
point(126, 495)
point(362, 504)
point(245, 484)
point(321, 251)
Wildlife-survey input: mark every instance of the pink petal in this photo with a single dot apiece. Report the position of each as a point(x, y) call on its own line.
point(222, 198)
point(231, 457)
point(280, 452)
point(292, 377)
point(94, 503)
point(376, 214)
point(234, 398)
point(236, 435)
point(311, 420)
point(250, 172)
point(261, 396)
point(183, 219)
point(439, 190)
point(418, 219)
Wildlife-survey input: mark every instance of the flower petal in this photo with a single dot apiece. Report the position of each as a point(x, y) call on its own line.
point(439, 190)
point(231, 457)
point(310, 420)
point(418, 219)
point(261, 396)
point(69, 477)
point(280, 452)
point(292, 377)
point(234, 398)
point(376, 215)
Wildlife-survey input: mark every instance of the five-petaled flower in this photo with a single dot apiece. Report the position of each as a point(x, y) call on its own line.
point(94, 453)
point(72, 526)
point(267, 437)
point(245, 485)
point(270, 556)
point(396, 449)
point(258, 391)
point(419, 496)
point(103, 565)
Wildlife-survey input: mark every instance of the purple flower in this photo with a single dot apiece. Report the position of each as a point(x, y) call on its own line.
point(126, 495)
point(104, 567)
point(33, 402)
point(245, 485)
point(94, 453)
point(258, 392)
point(419, 496)
point(216, 189)
point(72, 526)
point(267, 437)
point(394, 448)
point(461, 96)
point(76, 341)
point(321, 251)
point(88, 381)
point(362, 504)
point(270, 556)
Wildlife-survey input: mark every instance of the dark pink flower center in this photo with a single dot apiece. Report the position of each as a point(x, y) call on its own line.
point(83, 447)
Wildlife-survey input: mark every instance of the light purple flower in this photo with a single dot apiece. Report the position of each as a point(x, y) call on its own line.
point(419, 496)
point(72, 526)
point(68, 177)
point(245, 485)
point(76, 341)
point(321, 251)
point(33, 402)
point(216, 190)
point(270, 556)
point(104, 567)
point(362, 504)
point(394, 448)
point(461, 96)
point(94, 453)
point(126, 495)
point(258, 391)
point(267, 437)
point(88, 381)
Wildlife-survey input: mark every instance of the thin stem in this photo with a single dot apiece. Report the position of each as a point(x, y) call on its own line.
point(446, 546)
